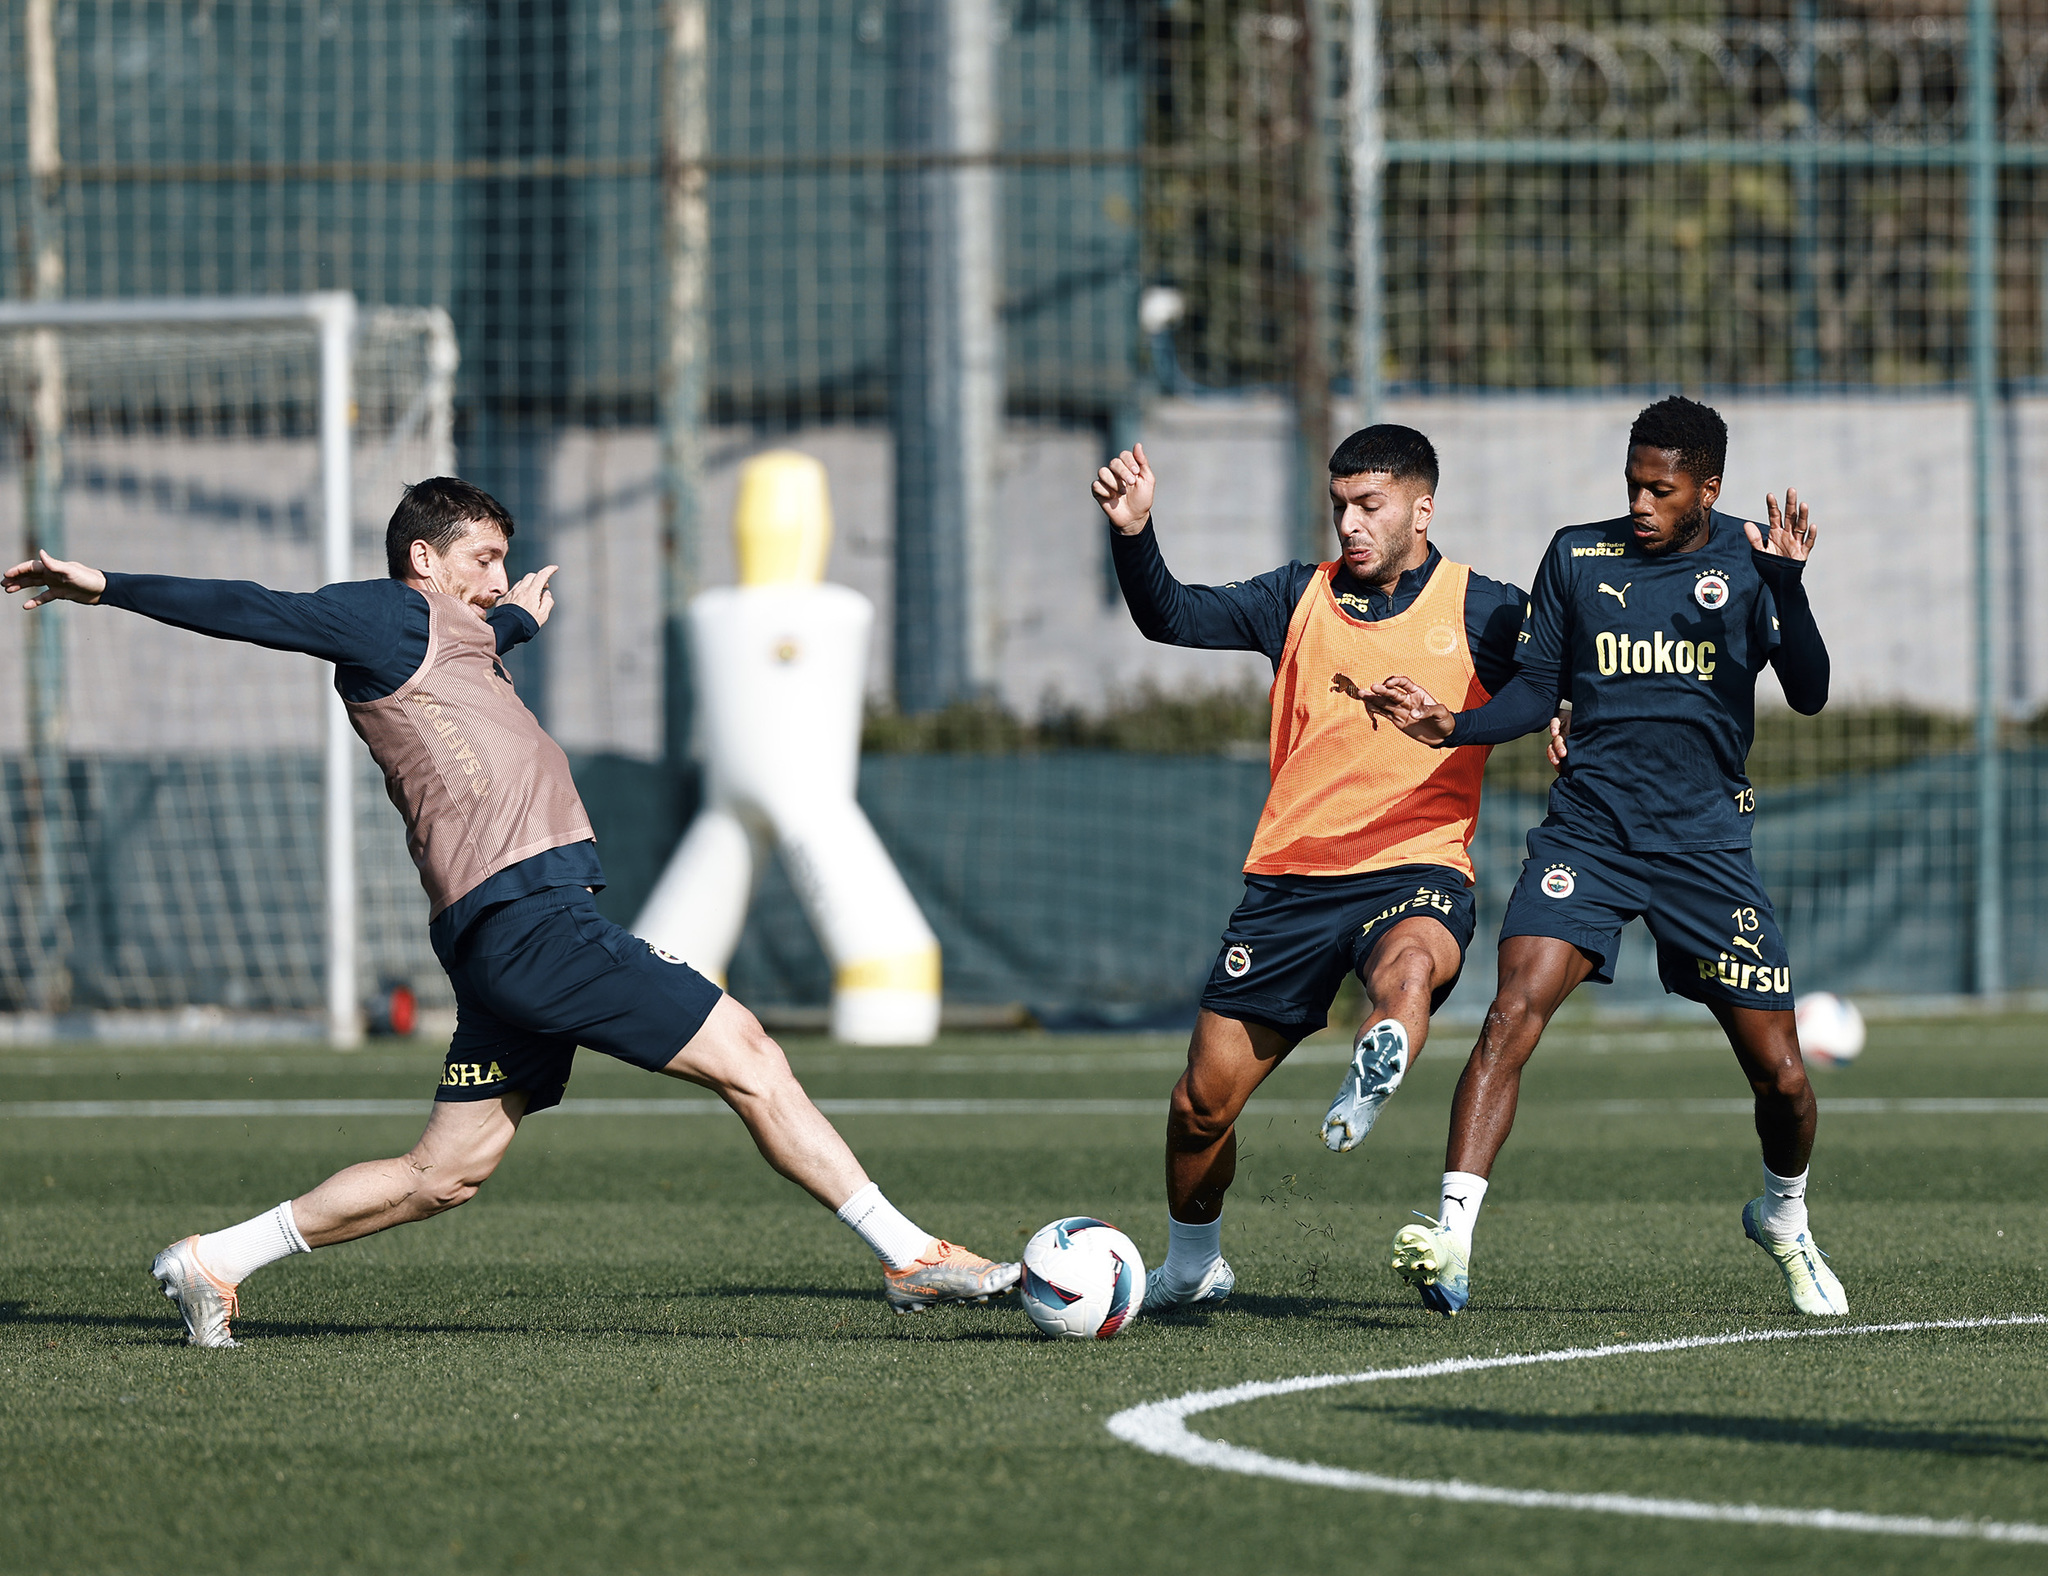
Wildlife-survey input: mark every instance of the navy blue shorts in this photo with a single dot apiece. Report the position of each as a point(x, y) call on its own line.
point(1294, 938)
point(1717, 939)
point(547, 973)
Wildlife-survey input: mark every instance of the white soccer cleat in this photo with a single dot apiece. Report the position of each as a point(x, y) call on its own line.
point(1808, 1279)
point(206, 1301)
point(1211, 1291)
point(1379, 1060)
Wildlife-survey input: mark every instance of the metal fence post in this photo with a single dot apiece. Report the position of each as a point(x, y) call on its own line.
point(1368, 173)
point(1990, 918)
point(686, 232)
point(946, 399)
point(43, 483)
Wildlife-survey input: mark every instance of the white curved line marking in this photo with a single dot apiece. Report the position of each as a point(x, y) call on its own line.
point(1161, 1427)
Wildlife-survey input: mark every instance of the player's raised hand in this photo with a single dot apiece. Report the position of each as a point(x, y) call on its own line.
point(1411, 708)
point(59, 580)
point(532, 593)
point(1124, 489)
point(1792, 532)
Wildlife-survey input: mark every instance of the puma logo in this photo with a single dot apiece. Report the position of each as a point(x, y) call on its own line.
point(1747, 946)
point(1452, 1198)
point(1345, 684)
point(1620, 596)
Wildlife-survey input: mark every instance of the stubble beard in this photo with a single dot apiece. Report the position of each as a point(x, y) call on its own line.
point(1689, 531)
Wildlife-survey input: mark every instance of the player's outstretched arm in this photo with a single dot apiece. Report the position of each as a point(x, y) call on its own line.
point(1800, 656)
point(55, 580)
point(1123, 489)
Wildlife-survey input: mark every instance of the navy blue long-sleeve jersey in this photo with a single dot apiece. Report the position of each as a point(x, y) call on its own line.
point(1660, 655)
point(375, 632)
point(1252, 615)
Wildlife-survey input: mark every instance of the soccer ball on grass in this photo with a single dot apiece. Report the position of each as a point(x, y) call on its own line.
point(1083, 1279)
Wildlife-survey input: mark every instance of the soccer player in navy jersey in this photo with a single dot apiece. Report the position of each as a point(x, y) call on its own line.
point(509, 861)
point(1656, 625)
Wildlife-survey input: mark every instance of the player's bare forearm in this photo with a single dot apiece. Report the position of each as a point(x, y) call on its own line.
point(54, 580)
point(1123, 488)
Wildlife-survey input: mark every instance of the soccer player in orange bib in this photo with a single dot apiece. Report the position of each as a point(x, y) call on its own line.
point(509, 861)
point(1361, 861)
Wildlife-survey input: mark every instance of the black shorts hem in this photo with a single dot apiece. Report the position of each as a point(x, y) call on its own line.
point(1281, 1017)
point(539, 1097)
point(1605, 950)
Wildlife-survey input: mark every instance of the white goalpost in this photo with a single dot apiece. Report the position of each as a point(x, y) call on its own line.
point(161, 852)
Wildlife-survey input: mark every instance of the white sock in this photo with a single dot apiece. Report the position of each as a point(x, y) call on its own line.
point(1784, 1205)
point(1190, 1250)
point(882, 1226)
point(236, 1252)
point(1459, 1210)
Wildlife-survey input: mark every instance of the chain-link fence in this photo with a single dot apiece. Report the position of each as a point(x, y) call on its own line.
point(957, 248)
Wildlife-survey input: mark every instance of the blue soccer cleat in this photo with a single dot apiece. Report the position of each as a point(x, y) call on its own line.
point(1428, 1258)
point(1378, 1062)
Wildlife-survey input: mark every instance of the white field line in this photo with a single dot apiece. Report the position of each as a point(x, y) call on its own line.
point(30, 1109)
point(1161, 1428)
point(1908, 1106)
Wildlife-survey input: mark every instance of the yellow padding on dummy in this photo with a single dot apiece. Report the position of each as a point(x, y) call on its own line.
point(906, 971)
point(782, 521)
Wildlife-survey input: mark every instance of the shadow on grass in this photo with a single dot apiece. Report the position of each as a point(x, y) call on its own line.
point(1267, 1305)
point(1707, 1425)
point(692, 1323)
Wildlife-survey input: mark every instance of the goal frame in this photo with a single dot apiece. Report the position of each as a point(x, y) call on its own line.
point(334, 316)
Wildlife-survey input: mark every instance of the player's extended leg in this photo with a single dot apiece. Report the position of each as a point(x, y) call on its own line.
point(1228, 1058)
point(1402, 974)
point(1537, 973)
point(457, 1153)
point(1766, 1043)
point(734, 1057)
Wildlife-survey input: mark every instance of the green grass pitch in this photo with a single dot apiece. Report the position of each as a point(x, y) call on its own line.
point(640, 1351)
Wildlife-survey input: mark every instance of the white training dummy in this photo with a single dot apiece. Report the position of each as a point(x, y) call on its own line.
point(778, 663)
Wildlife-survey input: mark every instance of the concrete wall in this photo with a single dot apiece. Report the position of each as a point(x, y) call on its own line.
point(1888, 479)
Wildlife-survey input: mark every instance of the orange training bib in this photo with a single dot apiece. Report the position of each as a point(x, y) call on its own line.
point(1348, 797)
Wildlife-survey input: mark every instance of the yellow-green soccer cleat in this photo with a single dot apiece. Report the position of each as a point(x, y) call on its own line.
point(206, 1301)
point(1808, 1279)
point(1428, 1258)
point(948, 1275)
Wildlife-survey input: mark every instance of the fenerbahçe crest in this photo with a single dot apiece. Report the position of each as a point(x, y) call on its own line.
point(1710, 591)
point(1558, 881)
point(1237, 962)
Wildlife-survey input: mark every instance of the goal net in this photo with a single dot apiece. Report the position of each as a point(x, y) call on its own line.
point(179, 811)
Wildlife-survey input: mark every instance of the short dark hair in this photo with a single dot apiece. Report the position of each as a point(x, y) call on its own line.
point(1695, 432)
point(438, 511)
point(1401, 452)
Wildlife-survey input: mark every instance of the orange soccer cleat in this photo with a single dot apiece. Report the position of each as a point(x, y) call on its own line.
point(947, 1274)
